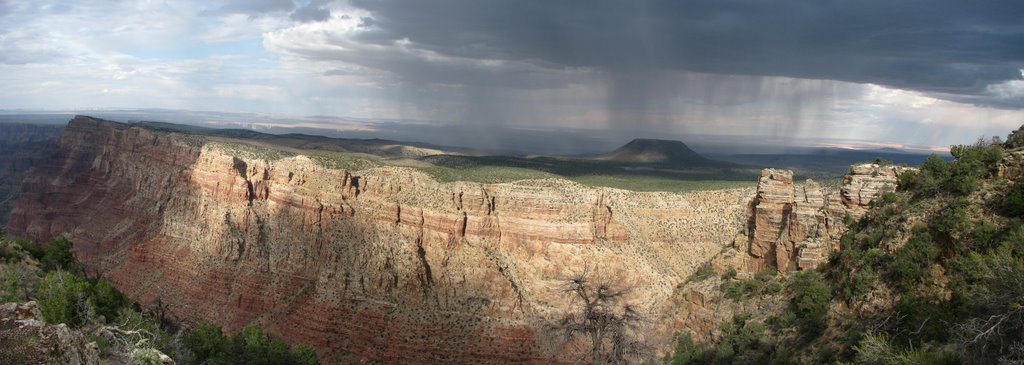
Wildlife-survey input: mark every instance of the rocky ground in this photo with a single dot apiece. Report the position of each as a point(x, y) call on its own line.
point(27, 340)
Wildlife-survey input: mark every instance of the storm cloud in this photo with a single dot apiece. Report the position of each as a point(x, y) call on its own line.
point(916, 72)
point(947, 47)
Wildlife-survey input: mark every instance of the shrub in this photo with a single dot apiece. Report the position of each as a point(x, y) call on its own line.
point(9, 252)
point(762, 283)
point(1013, 205)
point(34, 250)
point(686, 351)
point(63, 298)
point(703, 272)
point(951, 224)
point(907, 181)
point(107, 300)
point(9, 288)
point(57, 255)
point(861, 283)
point(147, 357)
point(811, 296)
point(249, 346)
point(913, 259)
point(889, 198)
point(934, 171)
point(878, 349)
point(729, 274)
point(742, 339)
point(205, 341)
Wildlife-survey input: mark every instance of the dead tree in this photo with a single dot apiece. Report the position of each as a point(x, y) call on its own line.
point(600, 320)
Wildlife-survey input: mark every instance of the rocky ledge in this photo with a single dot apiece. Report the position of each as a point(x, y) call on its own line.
point(379, 265)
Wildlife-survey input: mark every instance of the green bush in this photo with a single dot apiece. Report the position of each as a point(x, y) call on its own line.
point(913, 259)
point(907, 181)
point(762, 283)
point(878, 349)
point(54, 255)
point(9, 252)
point(811, 296)
point(960, 177)
point(9, 288)
point(249, 346)
point(57, 255)
point(934, 171)
point(1013, 205)
point(147, 357)
point(107, 300)
point(686, 351)
point(889, 198)
point(205, 341)
point(729, 274)
point(67, 298)
point(34, 250)
point(703, 272)
point(861, 283)
point(63, 298)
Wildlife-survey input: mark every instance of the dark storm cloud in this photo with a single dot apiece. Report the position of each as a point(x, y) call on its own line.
point(314, 11)
point(955, 48)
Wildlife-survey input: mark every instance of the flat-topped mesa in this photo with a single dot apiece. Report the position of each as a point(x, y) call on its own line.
point(379, 265)
point(797, 227)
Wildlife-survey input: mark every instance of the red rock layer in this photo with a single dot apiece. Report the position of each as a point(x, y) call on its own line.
point(381, 265)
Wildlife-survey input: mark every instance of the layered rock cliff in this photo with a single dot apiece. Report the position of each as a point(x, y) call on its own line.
point(789, 227)
point(21, 145)
point(797, 227)
point(381, 265)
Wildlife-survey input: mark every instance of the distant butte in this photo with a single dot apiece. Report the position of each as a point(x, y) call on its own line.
point(657, 151)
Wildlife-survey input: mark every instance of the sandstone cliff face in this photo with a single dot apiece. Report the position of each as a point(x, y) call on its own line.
point(382, 265)
point(797, 227)
point(21, 145)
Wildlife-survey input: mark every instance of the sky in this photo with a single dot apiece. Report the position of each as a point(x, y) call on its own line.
point(923, 73)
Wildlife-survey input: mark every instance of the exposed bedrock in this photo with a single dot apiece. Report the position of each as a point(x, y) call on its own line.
point(382, 265)
point(797, 226)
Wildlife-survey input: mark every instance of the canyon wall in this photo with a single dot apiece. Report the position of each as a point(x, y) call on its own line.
point(794, 227)
point(21, 145)
point(378, 265)
point(789, 227)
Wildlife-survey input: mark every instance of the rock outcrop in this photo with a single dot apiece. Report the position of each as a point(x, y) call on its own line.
point(25, 339)
point(382, 265)
point(794, 227)
point(1012, 165)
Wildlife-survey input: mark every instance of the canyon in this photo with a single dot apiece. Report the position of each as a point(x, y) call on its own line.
point(383, 264)
point(386, 264)
point(21, 146)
